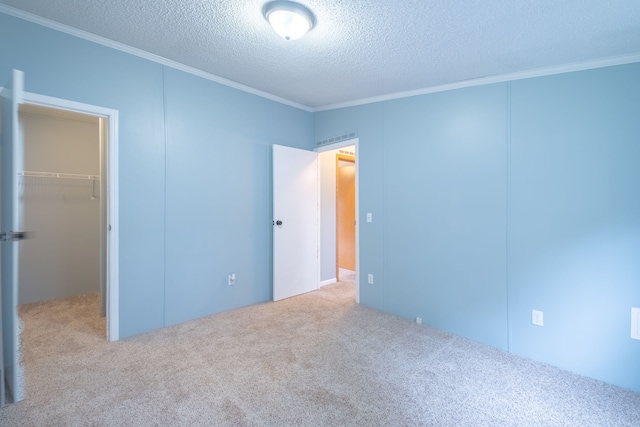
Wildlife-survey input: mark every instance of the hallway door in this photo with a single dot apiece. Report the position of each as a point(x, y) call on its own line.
point(295, 222)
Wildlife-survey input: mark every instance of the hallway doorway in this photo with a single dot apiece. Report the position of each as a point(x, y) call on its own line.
point(345, 213)
point(338, 221)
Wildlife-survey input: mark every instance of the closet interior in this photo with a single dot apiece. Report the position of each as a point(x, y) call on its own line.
point(61, 193)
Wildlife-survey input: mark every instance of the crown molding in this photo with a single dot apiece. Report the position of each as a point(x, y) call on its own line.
point(539, 72)
point(8, 10)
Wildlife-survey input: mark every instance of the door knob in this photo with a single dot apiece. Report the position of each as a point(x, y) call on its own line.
point(278, 222)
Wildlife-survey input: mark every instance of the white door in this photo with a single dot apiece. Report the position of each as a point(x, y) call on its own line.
point(11, 159)
point(295, 217)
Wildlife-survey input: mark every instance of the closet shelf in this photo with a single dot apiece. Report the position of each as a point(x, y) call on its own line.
point(69, 186)
point(35, 174)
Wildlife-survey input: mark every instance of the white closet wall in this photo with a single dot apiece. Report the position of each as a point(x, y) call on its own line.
point(61, 257)
point(327, 161)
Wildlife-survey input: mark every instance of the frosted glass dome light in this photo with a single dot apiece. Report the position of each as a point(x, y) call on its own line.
point(289, 20)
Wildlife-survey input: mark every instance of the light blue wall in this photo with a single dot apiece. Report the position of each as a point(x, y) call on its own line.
point(195, 205)
point(433, 174)
point(218, 202)
point(445, 194)
point(574, 228)
point(495, 200)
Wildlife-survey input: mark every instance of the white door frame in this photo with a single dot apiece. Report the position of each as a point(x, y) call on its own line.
point(112, 243)
point(330, 147)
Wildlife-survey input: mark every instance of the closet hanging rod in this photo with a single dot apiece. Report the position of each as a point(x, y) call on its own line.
point(58, 175)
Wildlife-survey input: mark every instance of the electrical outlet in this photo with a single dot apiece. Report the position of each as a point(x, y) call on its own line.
point(369, 217)
point(635, 323)
point(537, 317)
point(419, 320)
point(370, 279)
point(232, 279)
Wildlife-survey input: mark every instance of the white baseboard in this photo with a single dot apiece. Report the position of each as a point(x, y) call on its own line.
point(328, 282)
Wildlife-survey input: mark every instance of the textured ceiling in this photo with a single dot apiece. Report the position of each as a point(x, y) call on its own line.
point(360, 48)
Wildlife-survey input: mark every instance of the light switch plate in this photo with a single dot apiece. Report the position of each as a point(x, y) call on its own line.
point(635, 323)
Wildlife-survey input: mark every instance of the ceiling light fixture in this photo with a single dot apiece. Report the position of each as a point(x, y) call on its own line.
point(289, 20)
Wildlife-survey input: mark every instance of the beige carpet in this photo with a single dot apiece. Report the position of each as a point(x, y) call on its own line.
point(347, 275)
point(313, 360)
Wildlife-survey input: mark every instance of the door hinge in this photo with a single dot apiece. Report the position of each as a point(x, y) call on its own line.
point(12, 236)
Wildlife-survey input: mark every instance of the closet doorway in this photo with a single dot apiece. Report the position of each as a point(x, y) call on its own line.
point(73, 173)
point(15, 102)
point(61, 190)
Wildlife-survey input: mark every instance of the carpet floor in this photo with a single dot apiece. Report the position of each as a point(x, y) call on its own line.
point(314, 360)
